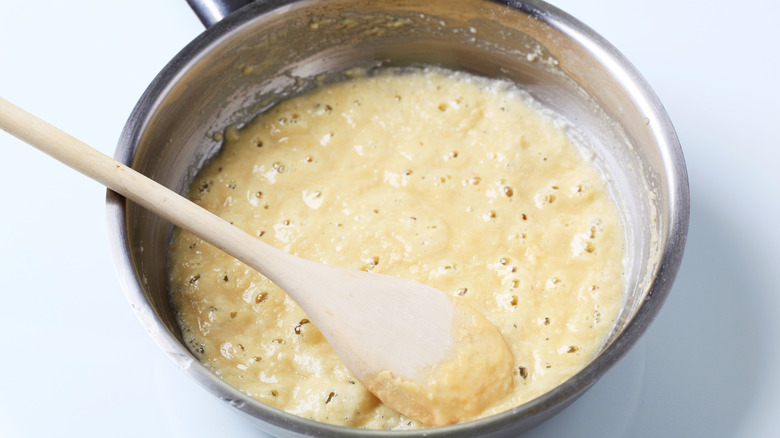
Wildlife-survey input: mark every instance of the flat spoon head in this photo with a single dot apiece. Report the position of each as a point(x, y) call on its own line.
point(475, 371)
point(419, 351)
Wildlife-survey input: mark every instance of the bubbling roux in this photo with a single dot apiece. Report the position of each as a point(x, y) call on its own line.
point(459, 182)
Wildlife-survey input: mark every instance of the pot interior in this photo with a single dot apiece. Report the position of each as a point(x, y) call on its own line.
point(266, 52)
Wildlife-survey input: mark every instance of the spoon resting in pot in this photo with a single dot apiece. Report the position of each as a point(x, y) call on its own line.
point(420, 352)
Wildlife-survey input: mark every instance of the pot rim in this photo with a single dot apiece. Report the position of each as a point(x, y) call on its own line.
point(550, 402)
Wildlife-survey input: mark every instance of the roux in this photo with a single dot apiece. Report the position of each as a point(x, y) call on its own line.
point(459, 182)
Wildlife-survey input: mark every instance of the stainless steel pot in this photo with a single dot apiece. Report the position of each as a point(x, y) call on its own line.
point(250, 57)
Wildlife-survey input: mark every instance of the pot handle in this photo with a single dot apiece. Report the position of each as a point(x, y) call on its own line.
point(211, 11)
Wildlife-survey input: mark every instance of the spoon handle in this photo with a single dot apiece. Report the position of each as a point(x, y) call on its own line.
point(142, 190)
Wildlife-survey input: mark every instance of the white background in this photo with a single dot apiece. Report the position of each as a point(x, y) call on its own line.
point(74, 361)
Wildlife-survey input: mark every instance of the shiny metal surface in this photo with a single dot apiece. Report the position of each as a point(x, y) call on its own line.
point(211, 12)
point(266, 51)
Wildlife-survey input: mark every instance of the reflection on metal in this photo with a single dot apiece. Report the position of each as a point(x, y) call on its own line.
point(212, 11)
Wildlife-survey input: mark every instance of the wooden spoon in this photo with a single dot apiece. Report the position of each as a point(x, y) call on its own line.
point(420, 352)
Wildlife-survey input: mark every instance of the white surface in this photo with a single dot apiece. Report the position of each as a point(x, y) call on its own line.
point(74, 362)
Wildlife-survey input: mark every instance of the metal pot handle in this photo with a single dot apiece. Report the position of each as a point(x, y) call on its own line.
point(211, 11)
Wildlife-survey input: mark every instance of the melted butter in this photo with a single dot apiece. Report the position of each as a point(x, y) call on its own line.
point(446, 179)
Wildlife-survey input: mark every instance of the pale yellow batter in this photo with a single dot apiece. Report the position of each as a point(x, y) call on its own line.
point(447, 179)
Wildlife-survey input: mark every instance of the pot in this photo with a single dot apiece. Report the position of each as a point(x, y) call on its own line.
point(254, 54)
